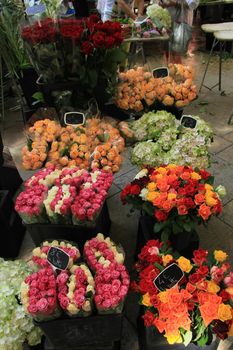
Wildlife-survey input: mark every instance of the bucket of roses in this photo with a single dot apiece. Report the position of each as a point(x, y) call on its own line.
point(197, 309)
point(177, 197)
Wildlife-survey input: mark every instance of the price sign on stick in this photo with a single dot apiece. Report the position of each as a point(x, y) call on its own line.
point(160, 72)
point(58, 258)
point(74, 118)
point(169, 277)
point(188, 121)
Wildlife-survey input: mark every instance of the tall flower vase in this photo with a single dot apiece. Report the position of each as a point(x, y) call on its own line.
point(184, 242)
point(151, 339)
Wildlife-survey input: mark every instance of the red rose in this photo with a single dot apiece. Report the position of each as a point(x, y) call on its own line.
point(87, 48)
point(190, 288)
point(221, 329)
point(135, 190)
point(204, 174)
point(98, 39)
point(148, 318)
point(155, 300)
point(109, 42)
point(217, 209)
point(201, 188)
point(160, 215)
point(125, 192)
point(225, 296)
point(199, 198)
point(199, 256)
point(118, 37)
point(203, 270)
point(204, 212)
point(195, 278)
point(182, 210)
point(189, 203)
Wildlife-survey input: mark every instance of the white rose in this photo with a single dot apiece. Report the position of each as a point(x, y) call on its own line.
point(36, 252)
point(119, 258)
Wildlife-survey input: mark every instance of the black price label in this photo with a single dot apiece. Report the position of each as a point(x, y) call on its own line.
point(188, 121)
point(169, 277)
point(161, 72)
point(58, 258)
point(74, 118)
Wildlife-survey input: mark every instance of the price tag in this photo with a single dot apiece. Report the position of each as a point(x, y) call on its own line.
point(160, 72)
point(35, 10)
point(169, 277)
point(188, 121)
point(58, 258)
point(74, 118)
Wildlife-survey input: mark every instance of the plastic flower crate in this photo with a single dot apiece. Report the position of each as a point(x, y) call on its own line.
point(76, 233)
point(98, 331)
point(150, 339)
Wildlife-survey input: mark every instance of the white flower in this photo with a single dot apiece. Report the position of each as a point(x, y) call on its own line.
point(141, 174)
point(143, 194)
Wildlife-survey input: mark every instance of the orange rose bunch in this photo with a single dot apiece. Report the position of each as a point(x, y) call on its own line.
point(176, 196)
point(138, 88)
point(195, 307)
point(51, 144)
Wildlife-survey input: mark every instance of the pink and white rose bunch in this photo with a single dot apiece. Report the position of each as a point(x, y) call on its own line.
point(76, 290)
point(58, 203)
point(45, 176)
point(111, 288)
point(29, 204)
point(100, 252)
point(39, 295)
point(39, 254)
point(72, 176)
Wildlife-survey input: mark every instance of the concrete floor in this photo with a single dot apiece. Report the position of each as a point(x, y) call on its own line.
point(214, 108)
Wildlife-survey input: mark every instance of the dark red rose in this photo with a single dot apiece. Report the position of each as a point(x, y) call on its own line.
point(118, 37)
point(199, 256)
point(148, 318)
point(225, 296)
point(135, 190)
point(204, 174)
point(191, 306)
point(201, 188)
point(125, 192)
point(189, 203)
point(109, 42)
point(217, 209)
point(94, 18)
point(160, 215)
point(87, 48)
point(155, 300)
point(189, 190)
point(181, 191)
point(203, 270)
point(221, 329)
point(196, 277)
point(98, 39)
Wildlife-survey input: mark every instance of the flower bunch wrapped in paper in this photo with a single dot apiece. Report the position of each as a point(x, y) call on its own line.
point(198, 306)
point(58, 203)
point(76, 290)
point(29, 204)
point(178, 197)
point(39, 254)
point(111, 284)
point(72, 176)
point(39, 295)
point(45, 176)
point(15, 325)
point(100, 252)
point(44, 47)
point(90, 199)
point(160, 16)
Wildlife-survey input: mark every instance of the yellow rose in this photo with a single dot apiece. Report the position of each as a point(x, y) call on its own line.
point(220, 255)
point(210, 201)
point(163, 297)
point(151, 196)
point(171, 166)
point(171, 196)
point(208, 187)
point(71, 286)
point(173, 338)
point(166, 259)
point(151, 186)
point(146, 300)
point(184, 264)
point(224, 312)
point(212, 287)
point(72, 309)
point(87, 306)
point(161, 170)
point(36, 252)
point(195, 176)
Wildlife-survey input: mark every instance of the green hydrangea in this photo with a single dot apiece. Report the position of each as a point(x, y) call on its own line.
point(160, 16)
point(15, 326)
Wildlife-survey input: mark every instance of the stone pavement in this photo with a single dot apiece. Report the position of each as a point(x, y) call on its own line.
point(215, 109)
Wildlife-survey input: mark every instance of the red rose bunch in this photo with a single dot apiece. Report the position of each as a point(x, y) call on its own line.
point(112, 284)
point(41, 32)
point(176, 196)
point(39, 295)
point(199, 305)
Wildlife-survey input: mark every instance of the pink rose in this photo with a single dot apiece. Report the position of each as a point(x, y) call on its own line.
point(32, 309)
point(42, 305)
point(228, 280)
point(116, 284)
point(33, 292)
point(64, 302)
point(107, 304)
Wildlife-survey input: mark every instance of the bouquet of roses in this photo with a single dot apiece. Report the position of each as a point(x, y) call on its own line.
point(29, 204)
point(44, 48)
point(45, 176)
point(15, 325)
point(76, 290)
point(100, 252)
point(177, 197)
point(72, 176)
point(39, 295)
point(111, 284)
point(194, 309)
point(58, 203)
point(39, 254)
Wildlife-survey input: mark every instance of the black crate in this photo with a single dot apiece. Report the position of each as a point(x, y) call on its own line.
point(78, 234)
point(184, 243)
point(82, 332)
point(6, 207)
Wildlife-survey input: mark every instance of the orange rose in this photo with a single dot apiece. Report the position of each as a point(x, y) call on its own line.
point(209, 312)
point(167, 205)
point(185, 176)
point(204, 211)
point(199, 199)
point(164, 310)
point(159, 324)
point(174, 299)
point(180, 310)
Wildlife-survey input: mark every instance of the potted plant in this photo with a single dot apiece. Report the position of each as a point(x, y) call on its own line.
point(176, 197)
point(191, 310)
